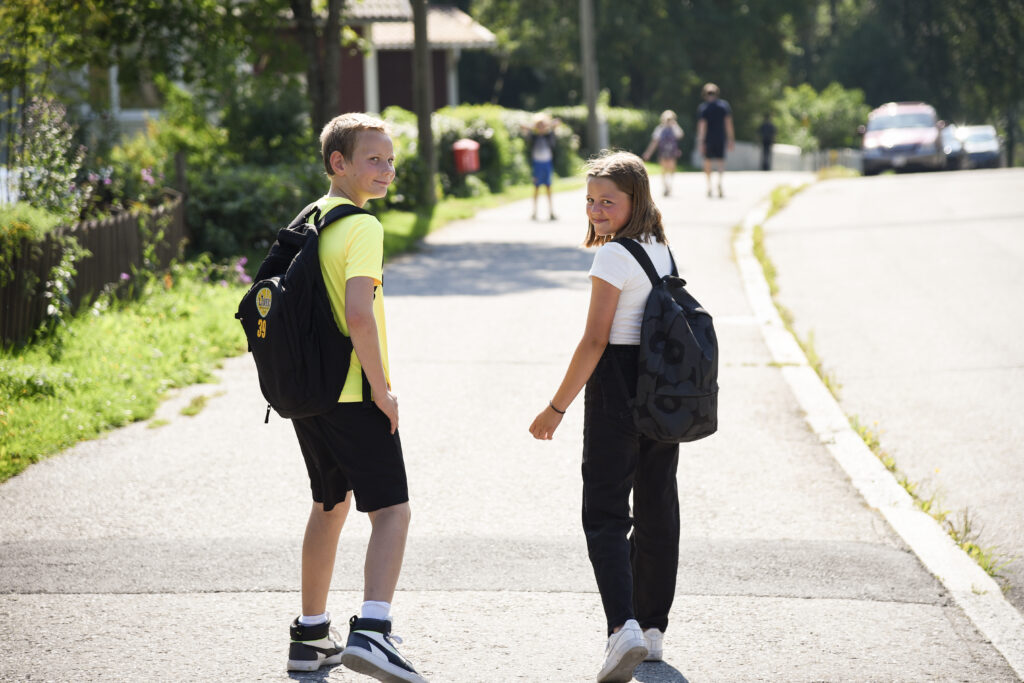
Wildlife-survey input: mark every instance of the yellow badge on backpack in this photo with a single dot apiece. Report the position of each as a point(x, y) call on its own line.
point(263, 301)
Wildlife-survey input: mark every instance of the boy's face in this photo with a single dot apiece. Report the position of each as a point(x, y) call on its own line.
point(371, 169)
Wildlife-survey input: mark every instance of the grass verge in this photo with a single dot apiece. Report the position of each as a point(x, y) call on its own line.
point(111, 364)
point(960, 527)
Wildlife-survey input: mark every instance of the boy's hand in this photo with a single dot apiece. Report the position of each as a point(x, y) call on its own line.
point(388, 404)
point(545, 424)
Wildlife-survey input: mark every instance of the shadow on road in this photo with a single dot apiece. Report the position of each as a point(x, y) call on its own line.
point(486, 269)
point(658, 672)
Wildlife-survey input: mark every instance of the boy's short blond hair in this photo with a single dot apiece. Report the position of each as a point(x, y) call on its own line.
point(341, 132)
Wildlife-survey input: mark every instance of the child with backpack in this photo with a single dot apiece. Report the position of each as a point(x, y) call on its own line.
point(636, 571)
point(354, 448)
point(665, 139)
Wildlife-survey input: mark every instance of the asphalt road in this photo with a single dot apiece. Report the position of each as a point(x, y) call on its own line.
point(172, 553)
point(912, 286)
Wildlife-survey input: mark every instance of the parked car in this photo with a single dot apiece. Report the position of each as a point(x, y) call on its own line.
point(982, 145)
point(902, 135)
point(953, 147)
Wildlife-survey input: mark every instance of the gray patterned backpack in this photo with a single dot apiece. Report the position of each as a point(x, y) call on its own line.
point(677, 381)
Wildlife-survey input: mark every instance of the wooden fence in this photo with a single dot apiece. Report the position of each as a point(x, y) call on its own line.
point(115, 244)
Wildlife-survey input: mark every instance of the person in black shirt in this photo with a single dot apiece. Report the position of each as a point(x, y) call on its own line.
point(714, 132)
point(767, 131)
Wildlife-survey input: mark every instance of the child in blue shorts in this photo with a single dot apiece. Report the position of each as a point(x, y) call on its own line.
point(540, 143)
point(355, 447)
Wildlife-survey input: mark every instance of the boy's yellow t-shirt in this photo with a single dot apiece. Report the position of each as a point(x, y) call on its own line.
point(353, 247)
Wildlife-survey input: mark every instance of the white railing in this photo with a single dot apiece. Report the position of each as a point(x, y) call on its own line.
point(746, 156)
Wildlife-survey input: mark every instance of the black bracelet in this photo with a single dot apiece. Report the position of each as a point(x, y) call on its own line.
point(560, 412)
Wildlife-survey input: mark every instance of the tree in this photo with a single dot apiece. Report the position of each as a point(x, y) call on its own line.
point(45, 48)
point(422, 90)
point(321, 45)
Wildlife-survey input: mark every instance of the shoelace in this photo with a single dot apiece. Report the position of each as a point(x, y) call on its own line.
point(397, 639)
point(334, 635)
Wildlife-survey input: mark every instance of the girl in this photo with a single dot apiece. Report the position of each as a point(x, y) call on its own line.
point(635, 572)
point(665, 139)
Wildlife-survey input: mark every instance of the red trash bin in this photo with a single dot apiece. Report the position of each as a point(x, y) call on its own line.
point(467, 155)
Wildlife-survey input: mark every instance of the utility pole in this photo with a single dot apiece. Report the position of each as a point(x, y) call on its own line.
point(423, 89)
point(589, 64)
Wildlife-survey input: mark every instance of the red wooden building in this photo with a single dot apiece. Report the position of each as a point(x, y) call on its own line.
point(383, 76)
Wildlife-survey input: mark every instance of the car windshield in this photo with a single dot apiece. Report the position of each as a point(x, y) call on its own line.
point(901, 121)
point(981, 135)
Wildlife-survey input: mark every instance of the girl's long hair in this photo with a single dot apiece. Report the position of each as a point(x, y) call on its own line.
point(629, 174)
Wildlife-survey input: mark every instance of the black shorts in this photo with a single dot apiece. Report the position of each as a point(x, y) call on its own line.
point(714, 149)
point(351, 449)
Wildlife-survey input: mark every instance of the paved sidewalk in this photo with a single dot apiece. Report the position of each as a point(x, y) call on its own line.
point(172, 553)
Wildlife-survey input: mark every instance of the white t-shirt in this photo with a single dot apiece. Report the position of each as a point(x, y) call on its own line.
point(616, 266)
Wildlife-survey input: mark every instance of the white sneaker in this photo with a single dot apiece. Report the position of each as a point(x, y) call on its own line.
point(624, 651)
point(653, 639)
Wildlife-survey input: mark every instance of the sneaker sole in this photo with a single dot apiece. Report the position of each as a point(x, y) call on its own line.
point(623, 671)
point(313, 664)
point(382, 671)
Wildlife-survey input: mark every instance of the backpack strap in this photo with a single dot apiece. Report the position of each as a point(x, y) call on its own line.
point(640, 254)
point(337, 213)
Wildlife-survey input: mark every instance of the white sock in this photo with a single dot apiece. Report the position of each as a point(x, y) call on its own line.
point(374, 609)
point(314, 619)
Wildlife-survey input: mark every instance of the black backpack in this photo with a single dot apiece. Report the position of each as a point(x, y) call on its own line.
point(677, 381)
point(302, 356)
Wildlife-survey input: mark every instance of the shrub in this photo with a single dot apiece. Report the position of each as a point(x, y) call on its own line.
point(813, 120)
point(268, 123)
point(239, 208)
point(407, 191)
point(628, 129)
point(18, 222)
point(47, 164)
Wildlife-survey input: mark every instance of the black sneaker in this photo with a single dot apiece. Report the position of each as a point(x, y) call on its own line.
point(370, 650)
point(313, 647)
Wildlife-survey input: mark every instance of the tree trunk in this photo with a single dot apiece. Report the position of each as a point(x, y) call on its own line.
point(306, 27)
point(588, 60)
point(332, 60)
point(422, 86)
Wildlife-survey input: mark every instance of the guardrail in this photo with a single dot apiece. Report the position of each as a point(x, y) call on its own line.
point(115, 244)
point(746, 156)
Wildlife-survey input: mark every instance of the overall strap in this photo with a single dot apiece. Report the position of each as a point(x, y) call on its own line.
point(640, 254)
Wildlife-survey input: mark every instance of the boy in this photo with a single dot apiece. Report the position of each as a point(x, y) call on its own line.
point(355, 446)
point(540, 144)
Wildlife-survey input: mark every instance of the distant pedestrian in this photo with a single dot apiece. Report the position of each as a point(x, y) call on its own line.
point(714, 133)
point(767, 131)
point(665, 139)
point(540, 145)
point(635, 572)
point(355, 449)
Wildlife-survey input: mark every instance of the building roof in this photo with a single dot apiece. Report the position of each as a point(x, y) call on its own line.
point(447, 27)
point(369, 11)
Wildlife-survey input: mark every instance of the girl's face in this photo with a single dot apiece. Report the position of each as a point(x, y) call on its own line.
point(608, 207)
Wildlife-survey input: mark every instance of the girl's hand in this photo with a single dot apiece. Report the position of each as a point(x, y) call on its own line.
point(545, 424)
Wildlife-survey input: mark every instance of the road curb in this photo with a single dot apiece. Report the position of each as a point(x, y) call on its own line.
point(977, 594)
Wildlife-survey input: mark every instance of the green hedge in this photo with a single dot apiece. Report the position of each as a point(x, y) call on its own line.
point(628, 129)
